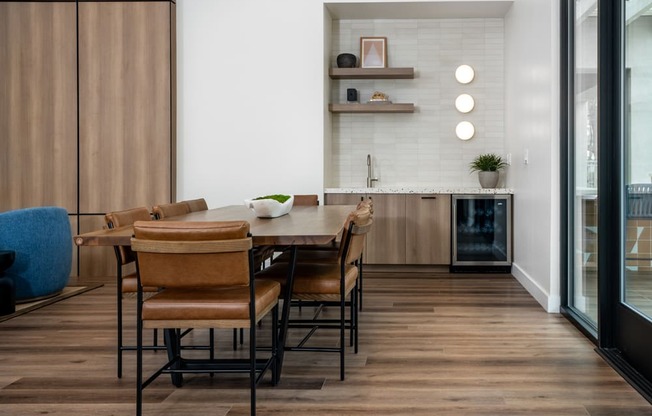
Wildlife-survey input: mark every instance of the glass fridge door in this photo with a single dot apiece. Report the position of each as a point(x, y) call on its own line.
point(482, 232)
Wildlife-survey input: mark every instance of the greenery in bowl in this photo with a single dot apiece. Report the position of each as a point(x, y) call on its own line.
point(488, 162)
point(276, 197)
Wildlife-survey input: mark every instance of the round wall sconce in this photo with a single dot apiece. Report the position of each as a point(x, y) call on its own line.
point(464, 103)
point(464, 130)
point(464, 74)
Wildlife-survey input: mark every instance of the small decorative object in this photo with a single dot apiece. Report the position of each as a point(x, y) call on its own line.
point(464, 74)
point(379, 97)
point(270, 206)
point(352, 95)
point(488, 166)
point(346, 60)
point(373, 52)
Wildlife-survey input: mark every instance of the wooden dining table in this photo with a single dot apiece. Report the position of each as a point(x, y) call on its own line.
point(303, 226)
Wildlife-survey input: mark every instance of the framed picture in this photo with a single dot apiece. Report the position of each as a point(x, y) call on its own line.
point(373, 52)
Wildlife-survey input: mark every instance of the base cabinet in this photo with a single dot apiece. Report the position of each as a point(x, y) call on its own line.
point(386, 239)
point(428, 229)
point(408, 228)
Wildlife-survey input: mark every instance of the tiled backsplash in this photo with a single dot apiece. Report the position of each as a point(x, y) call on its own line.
point(420, 149)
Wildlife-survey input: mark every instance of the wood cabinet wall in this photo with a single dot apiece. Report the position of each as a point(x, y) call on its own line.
point(408, 228)
point(87, 110)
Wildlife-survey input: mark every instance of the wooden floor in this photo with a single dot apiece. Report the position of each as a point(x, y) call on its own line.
point(435, 344)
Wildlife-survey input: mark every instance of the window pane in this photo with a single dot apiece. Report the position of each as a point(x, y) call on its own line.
point(637, 291)
point(583, 290)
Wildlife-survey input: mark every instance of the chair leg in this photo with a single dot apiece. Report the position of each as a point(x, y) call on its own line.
point(274, 345)
point(139, 358)
point(235, 339)
point(352, 309)
point(342, 332)
point(354, 321)
point(252, 366)
point(119, 319)
point(360, 283)
point(155, 337)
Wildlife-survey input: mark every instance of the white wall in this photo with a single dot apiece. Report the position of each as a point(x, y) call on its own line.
point(250, 98)
point(252, 116)
point(531, 125)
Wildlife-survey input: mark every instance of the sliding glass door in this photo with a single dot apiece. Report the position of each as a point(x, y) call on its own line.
point(633, 325)
point(607, 179)
point(583, 164)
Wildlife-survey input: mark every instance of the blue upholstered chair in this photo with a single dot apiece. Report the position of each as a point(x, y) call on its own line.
point(42, 240)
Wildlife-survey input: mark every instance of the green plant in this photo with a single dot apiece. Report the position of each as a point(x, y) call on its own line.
point(276, 197)
point(488, 162)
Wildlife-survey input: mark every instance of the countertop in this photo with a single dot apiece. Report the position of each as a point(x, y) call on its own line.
point(419, 190)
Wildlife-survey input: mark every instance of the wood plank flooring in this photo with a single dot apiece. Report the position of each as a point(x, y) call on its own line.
point(430, 344)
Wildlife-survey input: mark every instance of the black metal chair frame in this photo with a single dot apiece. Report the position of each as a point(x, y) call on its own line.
point(342, 323)
point(178, 365)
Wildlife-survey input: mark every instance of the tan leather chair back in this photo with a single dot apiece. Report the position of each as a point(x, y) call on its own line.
point(179, 254)
point(117, 219)
point(306, 200)
point(170, 210)
point(196, 204)
point(358, 223)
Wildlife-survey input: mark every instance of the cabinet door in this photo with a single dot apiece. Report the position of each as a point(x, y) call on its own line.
point(386, 240)
point(342, 199)
point(125, 112)
point(428, 229)
point(38, 105)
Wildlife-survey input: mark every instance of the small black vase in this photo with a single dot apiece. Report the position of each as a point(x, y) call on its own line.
point(346, 60)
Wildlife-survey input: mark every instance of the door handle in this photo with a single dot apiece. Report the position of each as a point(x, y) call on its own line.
point(428, 197)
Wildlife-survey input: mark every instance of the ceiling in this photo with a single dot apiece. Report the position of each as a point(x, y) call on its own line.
point(455, 9)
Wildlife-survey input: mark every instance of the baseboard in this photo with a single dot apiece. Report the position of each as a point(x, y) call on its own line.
point(549, 303)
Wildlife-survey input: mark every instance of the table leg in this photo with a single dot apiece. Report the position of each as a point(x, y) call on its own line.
point(285, 314)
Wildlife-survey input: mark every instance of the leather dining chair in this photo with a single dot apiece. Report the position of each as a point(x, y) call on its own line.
point(126, 279)
point(329, 284)
point(331, 253)
point(195, 205)
point(207, 275)
point(306, 200)
point(172, 209)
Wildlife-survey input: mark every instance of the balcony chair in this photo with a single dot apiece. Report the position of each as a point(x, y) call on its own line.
point(207, 275)
point(328, 284)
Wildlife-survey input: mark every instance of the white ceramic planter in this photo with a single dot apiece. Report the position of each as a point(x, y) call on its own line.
point(269, 208)
point(488, 179)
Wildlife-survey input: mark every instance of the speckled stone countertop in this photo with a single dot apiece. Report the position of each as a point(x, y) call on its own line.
point(419, 190)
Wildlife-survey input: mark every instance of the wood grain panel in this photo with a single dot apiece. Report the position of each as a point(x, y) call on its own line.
point(38, 105)
point(125, 105)
point(428, 228)
point(386, 240)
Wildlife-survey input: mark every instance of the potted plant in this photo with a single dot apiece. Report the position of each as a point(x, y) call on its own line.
point(488, 166)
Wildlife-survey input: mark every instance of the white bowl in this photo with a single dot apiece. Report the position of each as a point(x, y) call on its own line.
point(269, 208)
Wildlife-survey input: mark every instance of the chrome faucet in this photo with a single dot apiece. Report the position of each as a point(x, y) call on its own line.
point(370, 180)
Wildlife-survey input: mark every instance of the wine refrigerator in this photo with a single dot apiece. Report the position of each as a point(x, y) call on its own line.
point(482, 233)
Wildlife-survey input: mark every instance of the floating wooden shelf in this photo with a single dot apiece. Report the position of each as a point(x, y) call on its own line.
point(371, 73)
point(371, 108)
